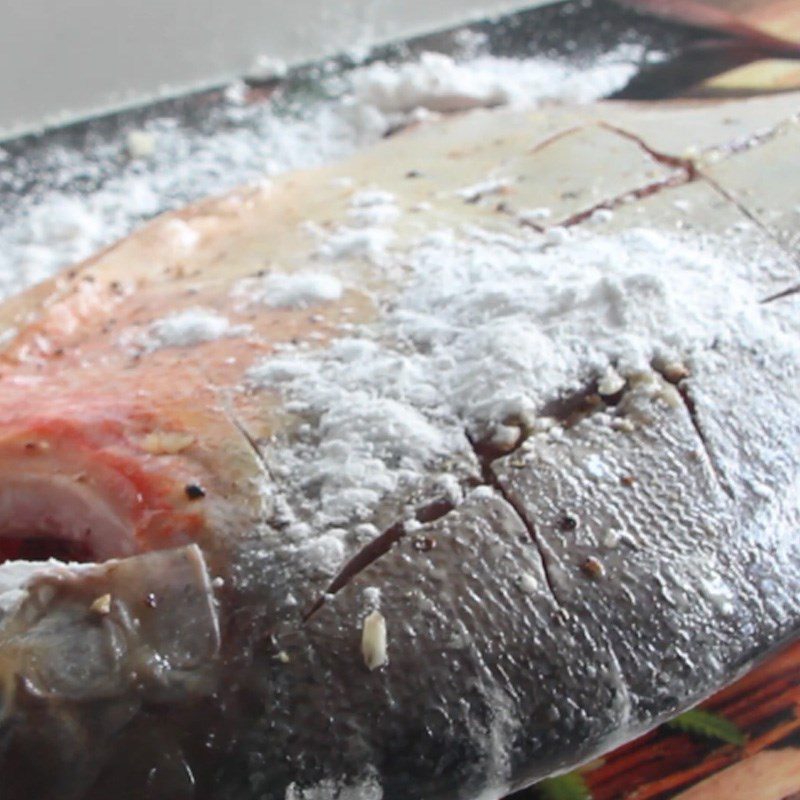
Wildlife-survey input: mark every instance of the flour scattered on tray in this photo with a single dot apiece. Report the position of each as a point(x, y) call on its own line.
point(164, 165)
point(266, 68)
point(141, 144)
point(439, 83)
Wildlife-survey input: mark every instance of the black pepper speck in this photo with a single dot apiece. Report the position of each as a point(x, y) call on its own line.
point(194, 491)
point(569, 522)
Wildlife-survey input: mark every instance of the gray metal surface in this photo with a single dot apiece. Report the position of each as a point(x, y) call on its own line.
point(82, 158)
point(64, 61)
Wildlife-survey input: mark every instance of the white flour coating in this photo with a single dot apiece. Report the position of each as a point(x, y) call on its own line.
point(488, 328)
point(16, 575)
point(266, 68)
point(47, 232)
point(367, 789)
point(478, 190)
point(183, 329)
point(435, 82)
point(288, 290)
point(368, 234)
point(439, 83)
point(373, 207)
point(371, 243)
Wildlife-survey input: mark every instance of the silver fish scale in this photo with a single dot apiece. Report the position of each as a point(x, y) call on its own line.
point(464, 652)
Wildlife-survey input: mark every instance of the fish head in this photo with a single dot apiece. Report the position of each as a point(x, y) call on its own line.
point(113, 525)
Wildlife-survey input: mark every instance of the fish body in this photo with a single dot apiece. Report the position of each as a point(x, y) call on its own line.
point(424, 475)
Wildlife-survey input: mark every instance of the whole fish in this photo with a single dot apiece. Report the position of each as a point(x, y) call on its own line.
point(424, 475)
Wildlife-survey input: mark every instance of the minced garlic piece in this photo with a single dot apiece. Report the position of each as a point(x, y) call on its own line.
point(670, 395)
point(101, 605)
point(373, 641)
point(610, 383)
point(675, 371)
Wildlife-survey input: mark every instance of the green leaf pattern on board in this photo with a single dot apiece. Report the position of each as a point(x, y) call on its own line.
point(708, 724)
point(564, 787)
point(572, 786)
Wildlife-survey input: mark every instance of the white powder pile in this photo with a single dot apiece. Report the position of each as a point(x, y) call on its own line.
point(16, 575)
point(491, 327)
point(183, 329)
point(368, 233)
point(349, 242)
point(376, 426)
point(373, 207)
point(439, 83)
point(288, 290)
point(166, 165)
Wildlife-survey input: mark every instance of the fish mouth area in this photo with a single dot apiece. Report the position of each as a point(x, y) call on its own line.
point(46, 517)
point(44, 548)
point(84, 490)
point(108, 613)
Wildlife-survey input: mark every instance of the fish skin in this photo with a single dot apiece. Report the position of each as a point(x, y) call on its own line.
point(508, 660)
